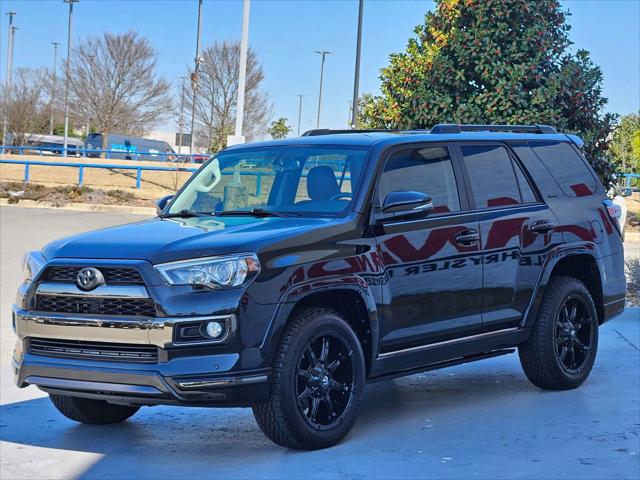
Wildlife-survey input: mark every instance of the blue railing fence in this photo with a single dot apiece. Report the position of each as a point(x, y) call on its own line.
point(628, 177)
point(138, 169)
point(97, 153)
point(81, 166)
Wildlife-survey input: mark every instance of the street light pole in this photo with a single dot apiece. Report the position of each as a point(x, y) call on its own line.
point(181, 119)
point(356, 80)
point(194, 78)
point(299, 111)
point(324, 53)
point(53, 84)
point(12, 31)
point(242, 74)
point(66, 86)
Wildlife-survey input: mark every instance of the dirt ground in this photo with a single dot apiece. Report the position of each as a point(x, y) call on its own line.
point(633, 213)
point(153, 185)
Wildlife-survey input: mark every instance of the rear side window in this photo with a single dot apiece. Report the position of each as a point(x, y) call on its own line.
point(567, 167)
point(525, 188)
point(493, 179)
point(427, 170)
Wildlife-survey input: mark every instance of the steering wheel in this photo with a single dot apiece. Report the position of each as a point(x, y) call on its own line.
point(340, 195)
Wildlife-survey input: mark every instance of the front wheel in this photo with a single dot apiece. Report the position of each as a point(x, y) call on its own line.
point(317, 383)
point(560, 352)
point(91, 412)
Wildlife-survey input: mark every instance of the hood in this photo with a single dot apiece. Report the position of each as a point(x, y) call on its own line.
point(165, 240)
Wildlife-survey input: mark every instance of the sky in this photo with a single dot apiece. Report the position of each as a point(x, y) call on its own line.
point(286, 33)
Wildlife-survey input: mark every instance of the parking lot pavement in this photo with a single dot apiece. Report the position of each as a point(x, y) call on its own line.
point(481, 420)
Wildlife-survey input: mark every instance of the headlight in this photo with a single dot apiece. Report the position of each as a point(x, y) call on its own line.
point(32, 263)
point(212, 272)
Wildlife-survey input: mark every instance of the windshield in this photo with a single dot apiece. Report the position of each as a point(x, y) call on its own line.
point(303, 181)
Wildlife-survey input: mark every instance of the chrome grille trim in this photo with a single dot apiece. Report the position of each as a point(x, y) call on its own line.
point(158, 331)
point(104, 291)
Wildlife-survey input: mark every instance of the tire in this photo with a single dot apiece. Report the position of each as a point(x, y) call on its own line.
point(91, 412)
point(297, 414)
point(546, 357)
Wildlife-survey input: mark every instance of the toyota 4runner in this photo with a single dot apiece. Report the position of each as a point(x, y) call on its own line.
point(285, 275)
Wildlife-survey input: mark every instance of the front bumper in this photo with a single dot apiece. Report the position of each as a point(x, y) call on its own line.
point(201, 379)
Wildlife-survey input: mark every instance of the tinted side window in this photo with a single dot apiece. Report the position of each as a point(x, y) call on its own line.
point(428, 170)
point(566, 166)
point(493, 179)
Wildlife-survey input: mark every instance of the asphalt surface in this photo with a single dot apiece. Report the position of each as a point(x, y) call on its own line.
point(481, 420)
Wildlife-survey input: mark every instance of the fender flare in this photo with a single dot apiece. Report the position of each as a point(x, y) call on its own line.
point(300, 291)
point(556, 255)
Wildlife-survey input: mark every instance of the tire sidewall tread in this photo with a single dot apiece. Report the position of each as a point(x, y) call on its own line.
point(279, 417)
point(537, 355)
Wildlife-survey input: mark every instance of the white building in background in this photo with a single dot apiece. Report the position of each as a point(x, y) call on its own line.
point(170, 138)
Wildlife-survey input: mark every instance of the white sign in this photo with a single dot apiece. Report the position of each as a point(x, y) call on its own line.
point(235, 140)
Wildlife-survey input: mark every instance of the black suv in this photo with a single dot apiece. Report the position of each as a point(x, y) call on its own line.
point(285, 275)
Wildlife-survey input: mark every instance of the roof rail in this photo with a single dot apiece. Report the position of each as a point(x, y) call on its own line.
point(326, 131)
point(456, 128)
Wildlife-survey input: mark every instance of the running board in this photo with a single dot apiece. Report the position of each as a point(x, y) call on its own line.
point(443, 364)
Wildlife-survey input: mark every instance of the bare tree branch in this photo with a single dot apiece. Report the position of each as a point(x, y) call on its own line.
point(114, 85)
point(217, 96)
point(25, 104)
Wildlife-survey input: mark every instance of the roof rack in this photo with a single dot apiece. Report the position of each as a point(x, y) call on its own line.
point(443, 128)
point(326, 131)
point(456, 128)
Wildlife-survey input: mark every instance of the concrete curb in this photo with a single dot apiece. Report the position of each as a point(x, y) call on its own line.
point(83, 207)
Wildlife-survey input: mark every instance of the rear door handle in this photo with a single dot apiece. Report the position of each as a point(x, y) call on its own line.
point(542, 226)
point(468, 238)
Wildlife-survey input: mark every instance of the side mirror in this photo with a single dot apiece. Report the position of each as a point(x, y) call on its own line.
point(406, 204)
point(627, 192)
point(162, 203)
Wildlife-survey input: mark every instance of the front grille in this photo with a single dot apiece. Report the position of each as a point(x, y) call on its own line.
point(93, 350)
point(96, 305)
point(112, 275)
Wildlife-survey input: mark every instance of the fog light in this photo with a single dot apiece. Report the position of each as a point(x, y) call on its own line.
point(214, 329)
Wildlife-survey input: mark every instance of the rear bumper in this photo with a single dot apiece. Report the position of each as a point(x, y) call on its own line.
point(613, 309)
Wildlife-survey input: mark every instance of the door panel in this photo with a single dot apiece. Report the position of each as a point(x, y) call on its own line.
point(514, 254)
point(433, 283)
point(433, 270)
point(516, 229)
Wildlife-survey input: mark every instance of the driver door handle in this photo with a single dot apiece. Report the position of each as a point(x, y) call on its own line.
point(468, 238)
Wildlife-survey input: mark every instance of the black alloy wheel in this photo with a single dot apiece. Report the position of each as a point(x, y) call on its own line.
point(574, 335)
point(563, 342)
point(316, 383)
point(324, 384)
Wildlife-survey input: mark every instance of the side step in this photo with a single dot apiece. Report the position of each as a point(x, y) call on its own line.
point(444, 364)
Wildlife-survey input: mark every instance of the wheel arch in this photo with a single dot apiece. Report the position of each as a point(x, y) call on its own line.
point(349, 296)
point(578, 262)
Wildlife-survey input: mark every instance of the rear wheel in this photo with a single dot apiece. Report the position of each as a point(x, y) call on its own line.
point(92, 412)
point(317, 383)
point(561, 350)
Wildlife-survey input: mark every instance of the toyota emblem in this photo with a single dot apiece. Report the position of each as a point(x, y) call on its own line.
point(89, 278)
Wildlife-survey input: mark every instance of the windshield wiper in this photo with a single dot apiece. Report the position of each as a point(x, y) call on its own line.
point(255, 212)
point(186, 214)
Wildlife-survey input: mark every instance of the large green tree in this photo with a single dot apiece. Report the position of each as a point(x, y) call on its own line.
point(495, 61)
point(280, 128)
point(621, 148)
